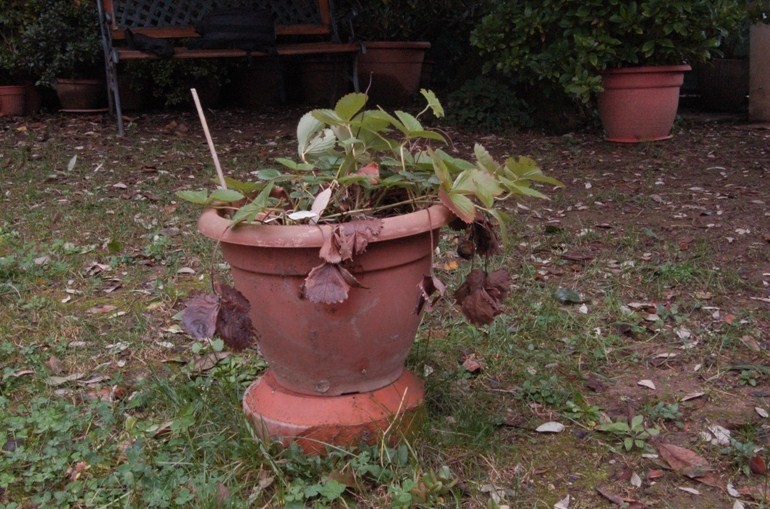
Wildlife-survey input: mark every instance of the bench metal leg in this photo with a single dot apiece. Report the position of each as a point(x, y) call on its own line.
point(110, 69)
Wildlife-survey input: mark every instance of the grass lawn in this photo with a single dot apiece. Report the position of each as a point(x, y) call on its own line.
point(639, 321)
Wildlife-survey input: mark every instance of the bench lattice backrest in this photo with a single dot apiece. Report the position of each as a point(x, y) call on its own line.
point(175, 13)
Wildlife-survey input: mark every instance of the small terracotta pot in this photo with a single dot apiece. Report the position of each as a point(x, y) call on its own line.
point(640, 103)
point(391, 70)
point(12, 100)
point(356, 346)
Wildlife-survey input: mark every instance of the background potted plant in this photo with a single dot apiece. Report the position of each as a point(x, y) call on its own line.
point(331, 257)
point(15, 80)
point(584, 49)
point(393, 46)
point(63, 47)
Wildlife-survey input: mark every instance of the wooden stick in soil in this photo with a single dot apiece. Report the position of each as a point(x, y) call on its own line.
point(205, 125)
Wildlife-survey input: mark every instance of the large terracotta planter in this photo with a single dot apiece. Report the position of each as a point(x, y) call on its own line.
point(12, 100)
point(391, 70)
point(639, 104)
point(327, 357)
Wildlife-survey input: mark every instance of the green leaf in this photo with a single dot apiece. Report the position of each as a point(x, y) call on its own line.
point(636, 421)
point(327, 117)
point(225, 195)
point(383, 115)
point(433, 102)
point(349, 105)
point(332, 490)
point(250, 211)
point(197, 197)
point(522, 189)
point(628, 443)
point(241, 186)
point(502, 219)
point(268, 174)
point(485, 159)
point(410, 121)
point(478, 183)
point(441, 170)
point(320, 143)
point(614, 427)
point(293, 165)
point(461, 205)
point(307, 127)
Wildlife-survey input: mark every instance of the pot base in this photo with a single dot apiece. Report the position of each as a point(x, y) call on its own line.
point(347, 420)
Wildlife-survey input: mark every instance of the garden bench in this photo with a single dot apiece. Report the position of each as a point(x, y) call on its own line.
point(303, 27)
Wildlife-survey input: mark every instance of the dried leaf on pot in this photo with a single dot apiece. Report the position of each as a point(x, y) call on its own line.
point(349, 239)
point(329, 283)
point(362, 233)
point(428, 286)
point(481, 296)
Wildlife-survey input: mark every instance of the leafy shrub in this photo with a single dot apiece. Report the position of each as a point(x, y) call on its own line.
point(487, 104)
point(64, 42)
point(563, 44)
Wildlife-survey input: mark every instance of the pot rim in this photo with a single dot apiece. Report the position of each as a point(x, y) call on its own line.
point(213, 225)
point(423, 45)
point(648, 69)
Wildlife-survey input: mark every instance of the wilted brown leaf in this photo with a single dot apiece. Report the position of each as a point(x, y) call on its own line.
point(473, 363)
point(199, 318)
point(484, 235)
point(757, 465)
point(55, 366)
point(428, 286)
point(615, 499)
point(225, 314)
point(205, 362)
point(349, 239)
point(371, 170)
point(683, 460)
point(481, 295)
point(233, 322)
point(103, 308)
point(326, 284)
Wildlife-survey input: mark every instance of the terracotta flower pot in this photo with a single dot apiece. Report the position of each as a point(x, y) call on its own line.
point(391, 70)
point(330, 356)
point(12, 100)
point(81, 94)
point(327, 350)
point(640, 103)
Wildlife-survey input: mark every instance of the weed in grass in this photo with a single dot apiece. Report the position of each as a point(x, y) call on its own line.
point(543, 390)
point(741, 454)
point(634, 434)
point(749, 377)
